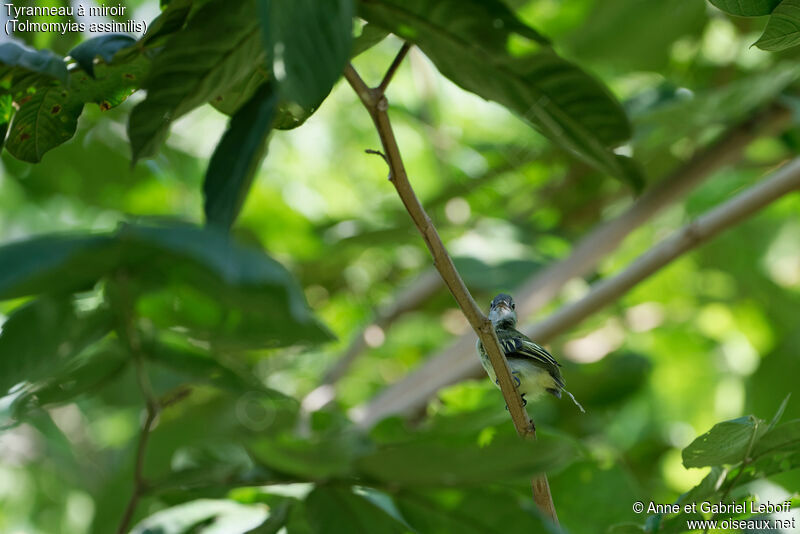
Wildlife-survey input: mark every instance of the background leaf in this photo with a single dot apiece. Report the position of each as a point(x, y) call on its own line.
point(726, 443)
point(218, 46)
point(563, 102)
point(309, 43)
point(746, 8)
point(783, 27)
point(237, 158)
point(105, 46)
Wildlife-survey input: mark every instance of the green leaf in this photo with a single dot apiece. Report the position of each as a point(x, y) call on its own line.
point(17, 59)
point(473, 511)
point(333, 510)
point(40, 337)
point(779, 413)
point(746, 8)
point(105, 46)
point(432, 461)
point(204, 516)
point(783, 27)
point(55, 264)
point(171, 20)
point(98, 364)
point(510, 63)
point(201, 366)
point(237, 158)
point(309, 43)
point(625, 528)
point(44, 120)
point(6, 112)
point(220, 45)
point(782, 438)
point(316, 458)
point(726, 443)
point(253, 299)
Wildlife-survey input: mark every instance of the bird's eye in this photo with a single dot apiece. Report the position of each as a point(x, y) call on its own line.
point(513, 306)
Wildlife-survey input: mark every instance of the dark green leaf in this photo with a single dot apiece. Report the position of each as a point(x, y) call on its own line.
point(783, 27)
point(220, 45)
point(334, 510)
point(15, 57)
point(782, 438)
point(625, 528)
point(237, 158)
point(171, 19)
point(251, 298)
point(510, 63)
point(41, 337)
point(204, 516)
point(201, 366)
point(316, 458)
point(104, 46)
point(44, 120)
point(726, 443)
point(472, 511)
point(98, 365)
point(746, 8)
point(55, 263)
point(431, 461)
point(309, 43)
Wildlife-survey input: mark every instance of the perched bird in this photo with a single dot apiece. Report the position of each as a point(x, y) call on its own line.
point(534, 370)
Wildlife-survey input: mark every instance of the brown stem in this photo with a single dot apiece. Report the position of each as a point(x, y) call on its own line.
point(375, 102)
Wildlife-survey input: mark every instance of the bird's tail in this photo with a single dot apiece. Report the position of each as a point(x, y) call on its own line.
point(571, 396)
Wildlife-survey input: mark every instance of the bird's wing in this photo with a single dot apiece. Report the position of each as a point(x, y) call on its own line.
point(519, 346)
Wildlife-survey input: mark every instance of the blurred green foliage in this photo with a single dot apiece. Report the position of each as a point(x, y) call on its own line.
point(105, 285)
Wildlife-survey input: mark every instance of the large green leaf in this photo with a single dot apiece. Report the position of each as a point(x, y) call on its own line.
point(726, 443)
point(254, 298)
point(309, 43)
point(17, 59)
point(237, 158)
point(472, 511)
point(204, 516)
point(433, 461)
point(510, 63)
point(55, 264)
point(783, 27)
point(334, 510)
point(746, 8)
point(316, 458)
point(220, 45)
point(41, 337)
point(104, 46)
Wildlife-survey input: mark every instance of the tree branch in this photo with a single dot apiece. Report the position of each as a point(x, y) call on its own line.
point(449, 366)
point(443, 371)
point(377, 105)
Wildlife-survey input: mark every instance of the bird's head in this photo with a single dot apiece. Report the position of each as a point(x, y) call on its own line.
point(502, 311)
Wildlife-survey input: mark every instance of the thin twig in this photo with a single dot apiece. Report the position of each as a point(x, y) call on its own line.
point(449, 366)
point(126, 330)
point(374, 100)
point(387, 78)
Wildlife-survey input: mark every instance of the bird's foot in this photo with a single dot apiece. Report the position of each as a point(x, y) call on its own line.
point(524, 400)
point(516, 378)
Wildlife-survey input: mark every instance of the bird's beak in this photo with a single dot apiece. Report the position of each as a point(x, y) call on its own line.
point(502, 305)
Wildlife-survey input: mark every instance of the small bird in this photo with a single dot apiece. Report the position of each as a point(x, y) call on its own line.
point(534, 370)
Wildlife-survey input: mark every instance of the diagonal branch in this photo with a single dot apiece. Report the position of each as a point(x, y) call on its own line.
point(781, 182)
point(377, 105)
point(445, 368)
